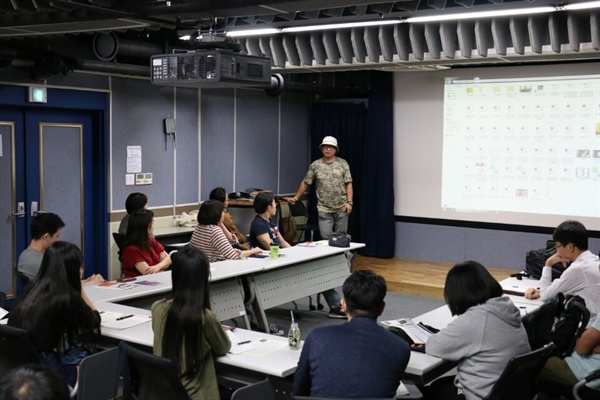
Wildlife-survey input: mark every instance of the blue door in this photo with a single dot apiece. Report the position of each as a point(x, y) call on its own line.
point(49, 163)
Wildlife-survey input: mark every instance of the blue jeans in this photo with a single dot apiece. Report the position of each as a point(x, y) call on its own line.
point(65, 364)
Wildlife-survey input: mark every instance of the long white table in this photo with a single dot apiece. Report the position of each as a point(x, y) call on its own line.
point(226, 291)
point(280, 363)
point(301, 272)
point(311, 269)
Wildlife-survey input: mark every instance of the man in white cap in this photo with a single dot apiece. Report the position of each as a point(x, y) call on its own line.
point(333, 185)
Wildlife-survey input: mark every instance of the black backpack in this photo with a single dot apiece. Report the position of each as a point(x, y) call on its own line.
point(560, 321)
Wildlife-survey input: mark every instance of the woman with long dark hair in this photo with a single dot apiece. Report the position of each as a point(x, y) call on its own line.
point(57, 313)
point(143, 254)
point(186, 331)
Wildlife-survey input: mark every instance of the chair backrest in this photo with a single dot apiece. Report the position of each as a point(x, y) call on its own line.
point(298, 209)
point(262, 390)
point(119, 239)
point(16, 349)
point(99, 375)
point(517, 381)
point(149, 377)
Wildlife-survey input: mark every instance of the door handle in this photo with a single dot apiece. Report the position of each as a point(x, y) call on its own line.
point(20, 210)
point(34, 209)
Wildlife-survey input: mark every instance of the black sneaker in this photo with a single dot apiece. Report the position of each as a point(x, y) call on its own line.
point(336, 312)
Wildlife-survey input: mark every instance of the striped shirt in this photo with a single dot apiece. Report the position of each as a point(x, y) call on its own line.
point(213, 242)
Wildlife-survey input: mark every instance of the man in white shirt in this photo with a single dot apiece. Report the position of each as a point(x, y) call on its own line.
point(581, 277)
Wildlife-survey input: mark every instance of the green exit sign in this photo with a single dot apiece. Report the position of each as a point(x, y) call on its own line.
point(38, 95)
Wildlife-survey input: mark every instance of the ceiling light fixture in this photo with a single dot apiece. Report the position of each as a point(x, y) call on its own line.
point(581, 6)
point(429, 18)
point(480, 14)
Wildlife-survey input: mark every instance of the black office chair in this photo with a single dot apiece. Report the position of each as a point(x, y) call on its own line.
point(3, 300)
point(581, 392)
point(413, 393)
point(297, 210)
point(262, 390)
point(577, 392)
point(99, 375)
point(16, 349)
point(518, 380)
point(119, 239)
point(148, 377)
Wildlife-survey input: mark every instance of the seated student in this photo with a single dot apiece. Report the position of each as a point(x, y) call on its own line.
point(45, 230)
point(33, 382)
point(211, 236)
point(221, 195)
point(486, 335)
point(358, 359)
point(263, 230)
point(186, 331)
point(143, 254)
point(580, 278)
point(581, 363)
point(56, 312)
point(135, 201)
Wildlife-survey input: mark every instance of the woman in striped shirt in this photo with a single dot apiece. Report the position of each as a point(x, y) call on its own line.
point(213, 238)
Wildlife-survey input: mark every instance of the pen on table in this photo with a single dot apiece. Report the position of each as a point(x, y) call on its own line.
point(424, 327)
point(124, 317)
point(245, 342)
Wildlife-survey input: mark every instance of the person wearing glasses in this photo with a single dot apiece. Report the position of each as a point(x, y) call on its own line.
point(581, 276)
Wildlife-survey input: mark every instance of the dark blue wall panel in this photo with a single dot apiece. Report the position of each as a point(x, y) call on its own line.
point(187, 146)
point(295, 139)
point(217, 140)
point(257, 144)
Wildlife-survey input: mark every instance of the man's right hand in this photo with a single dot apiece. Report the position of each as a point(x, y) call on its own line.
point(290, 200)
point(532, 293)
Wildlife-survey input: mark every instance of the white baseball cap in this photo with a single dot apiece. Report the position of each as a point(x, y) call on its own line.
point(329, 141)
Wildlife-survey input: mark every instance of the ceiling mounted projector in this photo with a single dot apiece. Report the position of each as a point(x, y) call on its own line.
point(210, 68)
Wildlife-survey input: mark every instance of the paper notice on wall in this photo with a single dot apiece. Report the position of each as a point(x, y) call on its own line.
point(134, 159)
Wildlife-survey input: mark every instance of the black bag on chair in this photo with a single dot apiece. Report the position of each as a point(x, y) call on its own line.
point(339, 239)
point(560, 321)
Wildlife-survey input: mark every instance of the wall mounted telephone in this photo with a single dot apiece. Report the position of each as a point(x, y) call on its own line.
point(169, 129)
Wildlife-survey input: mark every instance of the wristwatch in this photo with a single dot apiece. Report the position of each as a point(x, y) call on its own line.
point(350, 202)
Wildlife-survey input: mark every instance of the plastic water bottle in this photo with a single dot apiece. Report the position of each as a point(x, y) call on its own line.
point(294, 336)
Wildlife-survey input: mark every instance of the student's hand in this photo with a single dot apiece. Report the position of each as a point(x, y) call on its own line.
point(152, 270)
point(418, 347)
point(596, 350)
point(557, 258)
point(251, 252)
point(532, 293)
point(93, 280)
